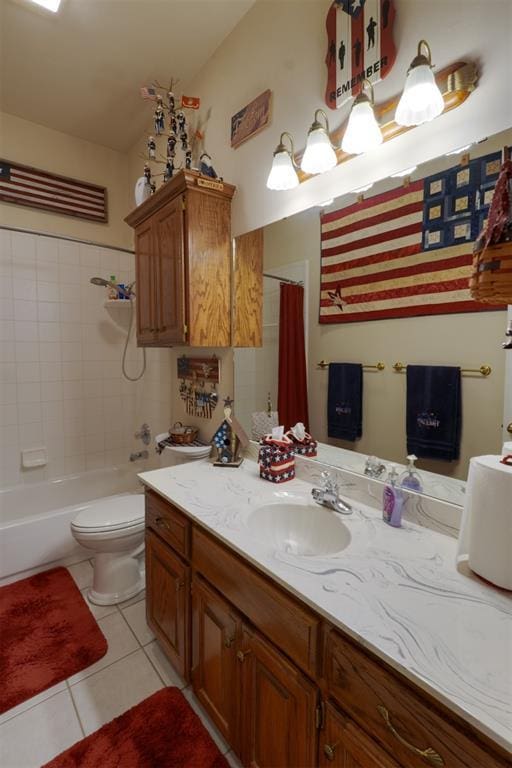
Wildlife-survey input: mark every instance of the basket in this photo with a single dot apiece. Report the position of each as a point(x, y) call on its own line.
point(183, 435)
point(491, 277)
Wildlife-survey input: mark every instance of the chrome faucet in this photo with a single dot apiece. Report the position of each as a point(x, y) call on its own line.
point(144, 434)
point(373, 467)
point(328, 496)
point(139, 455)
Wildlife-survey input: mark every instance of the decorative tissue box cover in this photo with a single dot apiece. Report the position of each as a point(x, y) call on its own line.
point(306, 447)
point(276, 459)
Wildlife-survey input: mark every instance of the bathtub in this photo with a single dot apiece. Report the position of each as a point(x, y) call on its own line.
point(35, 518)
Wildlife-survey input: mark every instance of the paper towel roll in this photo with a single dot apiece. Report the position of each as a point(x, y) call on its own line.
point(486, 530)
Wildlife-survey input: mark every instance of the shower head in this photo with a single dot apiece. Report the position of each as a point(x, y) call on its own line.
point(127, 290)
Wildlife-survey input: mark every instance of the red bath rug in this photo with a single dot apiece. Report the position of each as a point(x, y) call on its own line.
point(47, 634)
point(162, 731)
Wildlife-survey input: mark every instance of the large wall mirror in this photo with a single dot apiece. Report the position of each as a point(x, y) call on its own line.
point(292, 251)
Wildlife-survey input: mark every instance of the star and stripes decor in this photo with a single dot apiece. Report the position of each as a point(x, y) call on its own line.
point(22, 185)
point(359, 45)
point(407, 252)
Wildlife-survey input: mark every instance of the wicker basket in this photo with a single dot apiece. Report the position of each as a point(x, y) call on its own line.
point(183, 435)
point(491, 277)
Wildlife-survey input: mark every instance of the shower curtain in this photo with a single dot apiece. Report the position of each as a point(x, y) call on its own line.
point(292, 402)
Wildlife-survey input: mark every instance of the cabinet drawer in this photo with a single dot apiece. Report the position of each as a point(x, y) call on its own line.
point(294, 629)
point(407, 726)
point(170, 524)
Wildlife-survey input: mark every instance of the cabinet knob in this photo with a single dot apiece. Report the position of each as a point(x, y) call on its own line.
point(241, 655)
point(162, 523)
point(329, 751)
point(509, 428)
point(228, 642)
point(179, 585)
point(429, 754)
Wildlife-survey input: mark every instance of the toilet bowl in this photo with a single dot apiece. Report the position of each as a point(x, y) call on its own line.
point(113, 528)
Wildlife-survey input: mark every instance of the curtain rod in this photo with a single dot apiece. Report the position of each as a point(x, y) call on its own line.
point(66, 237)
point(283, 279)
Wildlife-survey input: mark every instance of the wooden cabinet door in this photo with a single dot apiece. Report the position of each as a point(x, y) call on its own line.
point(167, 601)
point(145, 288)
point(215, 629)
point(277, 708)
point(170, 274)
point(344, 745)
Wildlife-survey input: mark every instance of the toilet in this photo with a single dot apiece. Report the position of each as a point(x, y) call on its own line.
point(113, 529)
point(172, 455)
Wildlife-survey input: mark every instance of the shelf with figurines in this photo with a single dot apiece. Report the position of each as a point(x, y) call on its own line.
point(181, 135)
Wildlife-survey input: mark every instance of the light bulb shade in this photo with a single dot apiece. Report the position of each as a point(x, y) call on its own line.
point(363, 132)
point(282, 174)
point(421, 100)
point(319, 156)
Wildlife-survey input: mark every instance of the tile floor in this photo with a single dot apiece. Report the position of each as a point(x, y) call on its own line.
point(133, 668)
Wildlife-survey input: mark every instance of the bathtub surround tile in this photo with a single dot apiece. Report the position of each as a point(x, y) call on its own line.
point(28, 371)
point(8, 394)
point(40, 733)
point(8, 415)
point(49, 352)
point(29, 392)
point(47, 250)
point(48, 312)
point(6, 287)
point(25, 310)
point(7, 372)
point(108, 693)
point(164, 668)
point(30, 435)
point(49, 331)
point(120, 639)
point(82, 574)
point(8, 351)
point(28, 413)
point(25, 290)
point(23, 247)
point(135, 615)
point(47, 272)
point(26, 352)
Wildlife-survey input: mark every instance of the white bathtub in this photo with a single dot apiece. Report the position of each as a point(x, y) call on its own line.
point(35, 518)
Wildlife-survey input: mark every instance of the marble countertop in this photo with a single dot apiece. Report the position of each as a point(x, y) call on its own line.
point(396, 591)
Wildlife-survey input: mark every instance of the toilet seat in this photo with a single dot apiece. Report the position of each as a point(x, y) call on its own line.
point(117, 515)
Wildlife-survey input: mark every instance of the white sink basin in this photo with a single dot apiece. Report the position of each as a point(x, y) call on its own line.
point(299, 529)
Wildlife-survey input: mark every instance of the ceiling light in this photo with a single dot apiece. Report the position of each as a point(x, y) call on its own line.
point(362, 189)
point(283, 174)
point(406, 172)
point(50, 5)
point(421, 100)
point(319, 155)
point(363, 132)
point(459, 150)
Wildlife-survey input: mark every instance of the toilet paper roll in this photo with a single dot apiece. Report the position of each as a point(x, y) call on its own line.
point(485, 537)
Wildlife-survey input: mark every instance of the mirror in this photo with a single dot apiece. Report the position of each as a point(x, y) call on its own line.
point(292, 250)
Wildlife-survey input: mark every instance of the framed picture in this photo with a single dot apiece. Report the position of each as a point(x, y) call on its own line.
point(251, 119)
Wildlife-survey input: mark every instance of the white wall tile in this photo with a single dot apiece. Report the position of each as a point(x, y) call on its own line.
point(23, 247)
point(28, 413)
point(49, 351)
point(29, 392)
point(47, 249)
point(26, 331)
point(48, 312)
point(49, 331)
point(50, 371)
point(25, 311)
point(24, 289)
point(6, 288)
point(68, 252)
point(47, 291)
point(6, 309)
point(27, 352)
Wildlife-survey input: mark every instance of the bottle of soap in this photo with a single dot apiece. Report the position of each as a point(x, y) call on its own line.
point(392, 500)
point(112, 289)
point(410, 478)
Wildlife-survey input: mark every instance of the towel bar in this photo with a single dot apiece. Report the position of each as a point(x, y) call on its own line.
point(377, 366)
point(484, 370)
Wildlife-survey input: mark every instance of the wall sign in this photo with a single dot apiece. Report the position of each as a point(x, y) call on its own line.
point(359, 45)
point(251, 119)
point(22, 185)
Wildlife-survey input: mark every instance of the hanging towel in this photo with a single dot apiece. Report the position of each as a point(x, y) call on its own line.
point(292, 397)
point(345, 401)
point(434, 411)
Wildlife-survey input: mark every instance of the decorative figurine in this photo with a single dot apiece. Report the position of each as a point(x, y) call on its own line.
point(206, 167)
point(170, 101)
point(182, 122)
point(151, 148)
point(147, 173)
point(171, 143)
point(159, 116)
point(173, 124)
point(229, 438)
point(188, 159)
point(142, 190)
point(169, 168)
point(184, 141)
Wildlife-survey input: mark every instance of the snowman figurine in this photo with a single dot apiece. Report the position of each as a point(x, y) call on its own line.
point(171, 101)
point(151, 143)
point(159, 116)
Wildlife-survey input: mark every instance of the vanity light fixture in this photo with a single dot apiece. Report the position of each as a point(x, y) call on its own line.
point(50, 5)
point(319, 155)
point(459, 150)
point(283, 173)
point(405, 172)
point(421, 100)
point(363, 131)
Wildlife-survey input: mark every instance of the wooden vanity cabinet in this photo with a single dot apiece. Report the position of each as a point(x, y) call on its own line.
point(183, 263)
point(344, 745)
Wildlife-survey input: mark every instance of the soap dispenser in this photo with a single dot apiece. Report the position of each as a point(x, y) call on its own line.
point(392, 500)
point(410, 478)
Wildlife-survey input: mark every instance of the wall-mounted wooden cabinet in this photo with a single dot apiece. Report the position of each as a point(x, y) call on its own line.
point(183, 263)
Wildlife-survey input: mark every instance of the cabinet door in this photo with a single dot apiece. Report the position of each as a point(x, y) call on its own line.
point(215, 627)
point(167, 601)
point(344, 745)
point(170, 274)
point(277, 708)
point(145, 288)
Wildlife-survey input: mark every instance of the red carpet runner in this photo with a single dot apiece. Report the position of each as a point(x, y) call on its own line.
point(47, 634)
point(162, 731)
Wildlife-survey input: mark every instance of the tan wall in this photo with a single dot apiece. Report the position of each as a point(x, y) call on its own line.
point(467, 340)
point(48, 150)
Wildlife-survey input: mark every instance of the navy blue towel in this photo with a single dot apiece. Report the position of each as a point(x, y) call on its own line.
point(434, 411)
point(345, 401)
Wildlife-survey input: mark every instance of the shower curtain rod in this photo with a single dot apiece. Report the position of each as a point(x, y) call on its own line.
point(66, 237)
point(283, 279)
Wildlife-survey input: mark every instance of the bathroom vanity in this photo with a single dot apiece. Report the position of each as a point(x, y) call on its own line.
point(313, 639)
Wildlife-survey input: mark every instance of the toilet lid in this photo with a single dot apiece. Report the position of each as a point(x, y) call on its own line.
point(111, 513)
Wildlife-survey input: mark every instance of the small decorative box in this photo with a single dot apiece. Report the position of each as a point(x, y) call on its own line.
point(303, 447)
point(276, 459)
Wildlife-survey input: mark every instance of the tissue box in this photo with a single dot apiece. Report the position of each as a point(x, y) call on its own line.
point(276, 459)
point(306, 447)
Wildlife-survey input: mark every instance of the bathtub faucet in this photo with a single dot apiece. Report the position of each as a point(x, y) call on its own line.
point(139, 455)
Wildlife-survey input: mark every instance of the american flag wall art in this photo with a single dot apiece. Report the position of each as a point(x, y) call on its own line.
point(359, 45)
point(407, 252)
point(22, 185)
